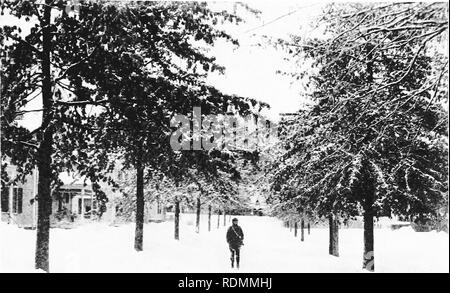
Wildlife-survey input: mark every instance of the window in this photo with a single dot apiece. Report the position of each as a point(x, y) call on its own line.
point(17, 200)
point(5, 199)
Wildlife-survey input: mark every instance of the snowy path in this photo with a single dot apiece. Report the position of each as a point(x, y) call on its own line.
point(268, 248)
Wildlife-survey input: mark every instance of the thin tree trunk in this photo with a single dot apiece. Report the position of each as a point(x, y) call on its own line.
point(139, 233)
point(309, 228)
point(177, 219)
point(218, 219)
point(295, 228)
point(209, 218)
point(302, 230)
point(224, 217)
point(290, 226)
point(197, 222)
point(334, 235)
point(45, 151)
point(368, 258)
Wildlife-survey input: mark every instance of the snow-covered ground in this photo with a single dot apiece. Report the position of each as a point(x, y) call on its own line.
point(269, 247)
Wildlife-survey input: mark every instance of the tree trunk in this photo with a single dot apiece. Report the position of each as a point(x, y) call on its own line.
point(302, 230)
point(224, 217)
point(218, 219)
point(290, 226)
point(177, 219)
point(44, 203)
point(368, 258)
point(209, 218)
point(334, 235)
point(44, 159)
point(309, 228)
point(295, 228)
point(139, 233)
point(197, 222)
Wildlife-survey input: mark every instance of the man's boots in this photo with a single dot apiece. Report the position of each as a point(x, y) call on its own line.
point(237, 262)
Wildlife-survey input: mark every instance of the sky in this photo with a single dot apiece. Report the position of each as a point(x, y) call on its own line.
point(251, 70)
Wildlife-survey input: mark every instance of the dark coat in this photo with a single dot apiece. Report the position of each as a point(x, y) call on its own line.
point(235, 236)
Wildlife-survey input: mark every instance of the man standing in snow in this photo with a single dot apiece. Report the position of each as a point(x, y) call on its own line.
point(235, 239)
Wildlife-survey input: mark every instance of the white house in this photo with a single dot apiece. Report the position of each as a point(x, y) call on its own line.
point(17, 202)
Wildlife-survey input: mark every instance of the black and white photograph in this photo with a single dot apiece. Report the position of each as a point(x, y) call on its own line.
point(226, 137)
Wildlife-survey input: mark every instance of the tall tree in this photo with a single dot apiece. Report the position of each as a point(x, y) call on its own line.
point(374, 142)
point(37, 68)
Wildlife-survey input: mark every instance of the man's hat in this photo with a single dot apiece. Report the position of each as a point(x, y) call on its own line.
point(234, 220)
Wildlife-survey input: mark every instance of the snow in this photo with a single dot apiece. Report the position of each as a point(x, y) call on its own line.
point(269, 247)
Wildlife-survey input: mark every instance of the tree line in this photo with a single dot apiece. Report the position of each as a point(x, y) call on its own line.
point(111, 76)
point(373, 139)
